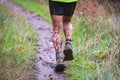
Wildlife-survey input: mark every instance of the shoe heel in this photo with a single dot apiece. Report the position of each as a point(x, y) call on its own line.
point(60, 68)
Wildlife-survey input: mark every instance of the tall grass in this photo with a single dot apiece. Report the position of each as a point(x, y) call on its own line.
point(17, 43)
point(95, 49)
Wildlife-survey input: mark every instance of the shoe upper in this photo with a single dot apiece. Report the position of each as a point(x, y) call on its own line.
point(68, 46)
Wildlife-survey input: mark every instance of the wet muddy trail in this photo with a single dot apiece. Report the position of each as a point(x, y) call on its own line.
point(45, 52)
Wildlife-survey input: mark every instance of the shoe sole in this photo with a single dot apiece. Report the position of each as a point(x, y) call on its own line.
point(60, 68)
point(68, 55)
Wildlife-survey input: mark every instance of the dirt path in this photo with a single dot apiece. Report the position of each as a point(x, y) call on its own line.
point(45, 62)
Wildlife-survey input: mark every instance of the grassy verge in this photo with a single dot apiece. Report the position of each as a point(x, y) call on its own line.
point(17, 41)
point(37, 7)
point(95, 48)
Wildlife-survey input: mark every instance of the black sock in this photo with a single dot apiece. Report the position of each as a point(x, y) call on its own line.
point(68, 41)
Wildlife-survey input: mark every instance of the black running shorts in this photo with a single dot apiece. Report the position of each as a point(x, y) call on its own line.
point(60, 8)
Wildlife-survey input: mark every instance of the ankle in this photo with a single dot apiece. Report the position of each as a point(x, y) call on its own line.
point(68, 41)
point(59, 55)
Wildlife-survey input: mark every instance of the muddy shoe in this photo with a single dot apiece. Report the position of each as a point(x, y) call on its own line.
point(68, 52)
point(60, 67)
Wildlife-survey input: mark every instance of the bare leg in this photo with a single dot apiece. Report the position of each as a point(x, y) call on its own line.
point(68, 29)
point(57, 32)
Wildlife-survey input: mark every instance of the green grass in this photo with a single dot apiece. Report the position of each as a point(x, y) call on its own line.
point(95, 50)
point(95, 47)
point(33, 6)
point(17, 44)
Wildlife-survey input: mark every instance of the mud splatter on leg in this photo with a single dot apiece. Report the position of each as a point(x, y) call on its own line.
point(57, 32)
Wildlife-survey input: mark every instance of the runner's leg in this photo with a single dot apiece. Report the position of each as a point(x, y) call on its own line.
point(57, 32)
point(68, 29)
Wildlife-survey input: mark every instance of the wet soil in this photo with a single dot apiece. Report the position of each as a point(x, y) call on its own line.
point(45, 61)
